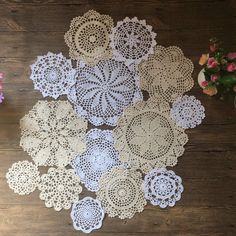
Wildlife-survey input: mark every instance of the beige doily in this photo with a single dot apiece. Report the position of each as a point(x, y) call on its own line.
point(121, 193)
point(88, 37)
point(52, 133)
point(147, 138)
point(166, 73)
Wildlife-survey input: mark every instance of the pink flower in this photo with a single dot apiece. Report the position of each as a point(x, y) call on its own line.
point(231, 55)
point(212, 62)
point(1, 75)
point(214, 77)
point(212, 48)
point(231, 67)
point(0, 86)
point(204, 83)
point(1, 98)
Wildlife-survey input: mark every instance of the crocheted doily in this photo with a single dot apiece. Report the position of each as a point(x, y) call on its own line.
point(132, 40)
point(59, 188)
point(102, 92)
point(23, 177)
point(146, 137)
point(163, 187)
point(187, 112)
point(52, 75)
point(99, 158)
point(121, 193)
point(166, 73)
point(88, 37)
point(87, 214)
point(52, 133)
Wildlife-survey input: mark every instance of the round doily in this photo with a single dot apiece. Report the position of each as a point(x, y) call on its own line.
point(146, 137)
point(132, 40)
point(59, 188)
point(102, 92)
point(162, 187)
point(23, 177)
point(52, 133)
point(99, 158)
point(88, 37)
point(52, 75)
point(166, 73)
point(121, 193)
point(187, 112)
point(87, 214)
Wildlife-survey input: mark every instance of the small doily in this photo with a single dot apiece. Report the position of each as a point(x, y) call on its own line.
point(146, 137)
point(52, 133)
point(132, 40)
point(87, 214)
point(100, 157)
point(52, 75)
point(102, 92)
point(162, 187)
point(23, 177)
point(88, 37)
point(121, 193)
point(60, 188)
point(166, 73)
point(187, 112)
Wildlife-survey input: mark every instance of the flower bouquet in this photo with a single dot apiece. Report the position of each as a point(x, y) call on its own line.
point(1, 88)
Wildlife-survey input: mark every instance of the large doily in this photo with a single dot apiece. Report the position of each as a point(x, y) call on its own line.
point(52, 75)
point(163, 187)
point(23, 177)
point(88, 37)
point(87, 214)
point(121, 193)
point(52, 133)
point(166, 73)
point(187, 112)
point(132, 40)
point(59, 188)
point(102, 92)
point(99, 158)
point(146, 137)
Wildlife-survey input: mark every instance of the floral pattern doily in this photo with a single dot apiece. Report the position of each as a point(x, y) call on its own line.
point(102, 92)
point(88, 37)
point(187, 112)
point(146, 137)
point(132, 40)
point(52, 75)
point(100, 157)
point(121, 193)
point(163, 187)
point(60, 188)
point(166, 73)
point(23, 177)
point(52, 133)
point(87, 214)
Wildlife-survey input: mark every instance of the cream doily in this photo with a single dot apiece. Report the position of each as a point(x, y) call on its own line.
point(23, 177)
point(99, 158)
point(121, 193)
point(146, 137)
point(132, 40)
point(162, 187)
point(88, 37)
point(87, 214)
point(102, 92)
point(60, 188)
point(166, 73)
point(52, 133)
point(52, 75)
point(187, 112)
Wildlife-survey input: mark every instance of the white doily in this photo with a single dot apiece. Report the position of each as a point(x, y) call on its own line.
point(132, 40)
point(52, 75)
point(102, 92)
point(23, 177)
point(121, 193)
point(99, 158)
point(162, 187)
point(87, 214)
point(187, 112)
point(59, 188)
point(52, 133)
